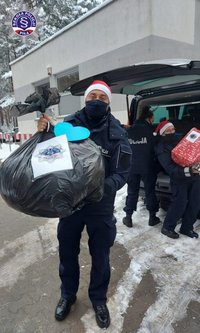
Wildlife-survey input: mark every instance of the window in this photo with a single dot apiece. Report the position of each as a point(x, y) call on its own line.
point(39, 88)
point(160, 113)
point(65, 80)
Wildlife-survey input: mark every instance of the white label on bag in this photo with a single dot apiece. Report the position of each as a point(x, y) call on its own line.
point(50, 156)
point(193, 136)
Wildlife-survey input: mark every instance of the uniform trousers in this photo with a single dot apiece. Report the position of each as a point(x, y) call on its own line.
point(185, 204)
point(151, 201)
point(101, 235)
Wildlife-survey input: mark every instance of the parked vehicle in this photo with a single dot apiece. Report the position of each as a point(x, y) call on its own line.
point(170, 87)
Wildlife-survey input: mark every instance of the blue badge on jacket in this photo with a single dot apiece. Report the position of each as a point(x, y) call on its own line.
point(73, 133)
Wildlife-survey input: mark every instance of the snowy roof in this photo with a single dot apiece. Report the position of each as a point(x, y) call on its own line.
point(58, 33)
point(7, 75)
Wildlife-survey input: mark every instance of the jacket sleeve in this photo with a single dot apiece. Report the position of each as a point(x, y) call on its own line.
point(119, 167)
point(171, 168)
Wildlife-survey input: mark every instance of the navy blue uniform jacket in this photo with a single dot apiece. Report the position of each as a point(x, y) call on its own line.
point(113, 143)
point(142, 141)
point(177, 173)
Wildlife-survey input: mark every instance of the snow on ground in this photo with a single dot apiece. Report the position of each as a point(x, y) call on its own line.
point(6, 149)
point(174, 264)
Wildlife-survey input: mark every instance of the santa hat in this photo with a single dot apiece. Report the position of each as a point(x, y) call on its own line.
point(99, 85)
point(162, 127)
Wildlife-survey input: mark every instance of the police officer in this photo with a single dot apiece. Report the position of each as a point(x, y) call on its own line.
point(185, 185)
point(98, 218)
point(143, 167)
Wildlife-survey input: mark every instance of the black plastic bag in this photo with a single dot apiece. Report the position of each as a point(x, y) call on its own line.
point(57, 194)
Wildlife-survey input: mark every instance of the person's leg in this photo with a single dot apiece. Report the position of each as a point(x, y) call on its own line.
point(69, 234)
point(132, 198)
point(192, 209)
point(152, 203)
point(102, 233)
point(176, 209)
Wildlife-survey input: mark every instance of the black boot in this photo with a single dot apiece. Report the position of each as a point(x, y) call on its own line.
point(189, 233)
point(102, 315)
point(127, 220)
point(63, 307)
point(153, 219)
point(169, 233)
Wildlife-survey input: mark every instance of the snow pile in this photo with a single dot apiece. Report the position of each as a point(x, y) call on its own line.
point(6, 150)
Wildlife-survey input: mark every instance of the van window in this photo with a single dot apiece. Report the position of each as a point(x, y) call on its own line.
point(184, 117)
point(160, 113)
point(180, 116)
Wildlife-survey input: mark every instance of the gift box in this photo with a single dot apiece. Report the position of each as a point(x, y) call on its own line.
point(187, 151)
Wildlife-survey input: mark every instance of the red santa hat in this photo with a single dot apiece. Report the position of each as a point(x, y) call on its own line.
point(99, 85)
point(163, 126)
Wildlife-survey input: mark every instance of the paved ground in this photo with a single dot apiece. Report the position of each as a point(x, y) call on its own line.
point(29, 284)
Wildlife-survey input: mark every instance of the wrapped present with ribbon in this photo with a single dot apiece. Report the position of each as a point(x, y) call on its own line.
point(187, 151)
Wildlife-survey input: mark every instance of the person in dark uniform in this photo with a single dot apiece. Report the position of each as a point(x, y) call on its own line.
point(143, 167)
point(185, 185)
point(107, 133)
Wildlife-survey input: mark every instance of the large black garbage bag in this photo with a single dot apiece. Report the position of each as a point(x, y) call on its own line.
point(57, 194)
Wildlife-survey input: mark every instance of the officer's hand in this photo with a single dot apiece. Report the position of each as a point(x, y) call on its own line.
point(42, 123)
point(109, 188)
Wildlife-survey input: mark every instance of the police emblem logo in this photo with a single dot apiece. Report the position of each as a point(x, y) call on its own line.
point(193, 136)
point(51, 153)
point(24, 23)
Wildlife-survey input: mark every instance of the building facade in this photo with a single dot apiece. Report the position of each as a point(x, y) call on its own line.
point(118, 33)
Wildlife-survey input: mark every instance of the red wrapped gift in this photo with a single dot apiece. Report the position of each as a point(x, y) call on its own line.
point(187, 151)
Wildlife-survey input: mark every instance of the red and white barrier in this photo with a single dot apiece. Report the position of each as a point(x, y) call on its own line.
point(24, 137)
point(15, 137)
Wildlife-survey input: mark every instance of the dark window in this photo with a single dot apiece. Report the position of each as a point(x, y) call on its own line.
point(41, 87)
point(67, 79)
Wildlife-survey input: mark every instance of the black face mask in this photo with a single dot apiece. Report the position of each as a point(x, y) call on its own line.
point(170, 137)
point(96, 109)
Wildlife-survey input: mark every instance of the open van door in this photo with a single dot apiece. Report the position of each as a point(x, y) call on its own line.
point(170, 87)
point(146, 78)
